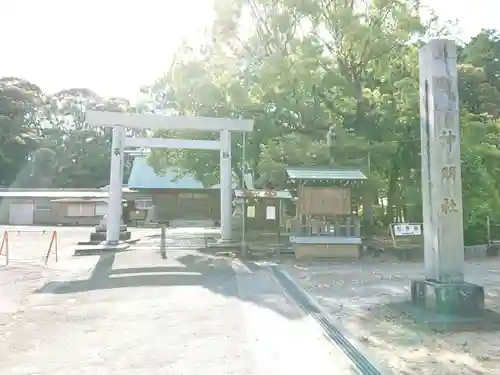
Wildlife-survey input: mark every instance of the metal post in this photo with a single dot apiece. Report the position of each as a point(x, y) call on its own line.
point(163, 236)
point(5, 244)
point(7, 250)
point(488, 229)
point(244, 204)
point(278, 220)
point(113, 219)
point(226, 189)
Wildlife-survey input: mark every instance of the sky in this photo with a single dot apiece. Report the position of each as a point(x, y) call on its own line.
point(114, 47)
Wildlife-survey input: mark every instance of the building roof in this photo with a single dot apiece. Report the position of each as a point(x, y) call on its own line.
point(82, 200)
point(58, 193)
point(143, 176)
point(324, 174)
point(234, 185)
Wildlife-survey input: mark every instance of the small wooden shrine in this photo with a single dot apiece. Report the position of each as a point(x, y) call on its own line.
point(265, 212)
point(326, 224)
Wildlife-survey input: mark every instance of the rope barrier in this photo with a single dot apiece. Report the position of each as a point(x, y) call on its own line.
point(6, 250)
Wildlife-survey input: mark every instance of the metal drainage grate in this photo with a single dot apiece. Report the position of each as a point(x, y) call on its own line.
point(357, 358)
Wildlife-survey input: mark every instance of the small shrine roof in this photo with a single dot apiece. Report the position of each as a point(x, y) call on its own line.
point(325, 174)
point(263, 193)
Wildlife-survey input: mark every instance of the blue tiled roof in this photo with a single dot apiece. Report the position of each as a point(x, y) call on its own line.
point(143, 176)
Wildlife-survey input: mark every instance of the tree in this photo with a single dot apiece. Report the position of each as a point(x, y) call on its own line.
point(479, 77)
point(483, 51)
point(43, 169)
point(304, 66)
point(476, 91)
point(82, 152)
point(19, 130)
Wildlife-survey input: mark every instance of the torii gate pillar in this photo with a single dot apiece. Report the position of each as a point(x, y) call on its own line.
point(113, 218)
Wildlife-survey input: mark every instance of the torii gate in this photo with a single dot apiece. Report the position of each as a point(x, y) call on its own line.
point(121, 120)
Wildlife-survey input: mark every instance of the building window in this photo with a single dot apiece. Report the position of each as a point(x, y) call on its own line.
point(250, 211)
point(42, 205)
point(101, 209)
point(270, 213)
point(143, 204)
point(81, 210)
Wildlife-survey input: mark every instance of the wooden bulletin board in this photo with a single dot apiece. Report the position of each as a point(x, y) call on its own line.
point(187, 205)
point(327, 201)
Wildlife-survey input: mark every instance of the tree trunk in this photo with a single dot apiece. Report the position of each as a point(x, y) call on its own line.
point(368, 212)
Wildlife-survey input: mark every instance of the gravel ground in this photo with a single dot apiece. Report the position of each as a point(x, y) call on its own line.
point(355, 294)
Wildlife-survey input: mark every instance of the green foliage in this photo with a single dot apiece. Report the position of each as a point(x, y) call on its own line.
point(299, 67)
point(45, 142)
point(18, 133)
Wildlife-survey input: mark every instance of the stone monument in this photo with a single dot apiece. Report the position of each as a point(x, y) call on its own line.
point(444, 289)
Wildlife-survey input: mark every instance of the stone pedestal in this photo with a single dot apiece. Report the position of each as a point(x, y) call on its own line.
point(98, 244)
point(100, 232)
point(460, 299)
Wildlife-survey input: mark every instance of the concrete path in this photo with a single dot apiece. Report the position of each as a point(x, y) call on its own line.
point(190, 314)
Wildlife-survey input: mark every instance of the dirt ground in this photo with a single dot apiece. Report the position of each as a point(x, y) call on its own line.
point(133, 312)
point(355, 294)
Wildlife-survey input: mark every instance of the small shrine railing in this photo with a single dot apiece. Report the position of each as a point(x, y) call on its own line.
point(342, 226)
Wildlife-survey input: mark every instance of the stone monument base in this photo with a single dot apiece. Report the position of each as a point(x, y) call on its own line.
point(459, 299)
point(225, 242)
point(100, 234)
point(98, 244)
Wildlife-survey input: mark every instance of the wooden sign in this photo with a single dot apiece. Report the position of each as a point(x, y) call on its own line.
point(407, 229)
point(329, 201)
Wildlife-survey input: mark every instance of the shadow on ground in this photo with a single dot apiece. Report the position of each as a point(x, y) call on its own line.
point(215, 274)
